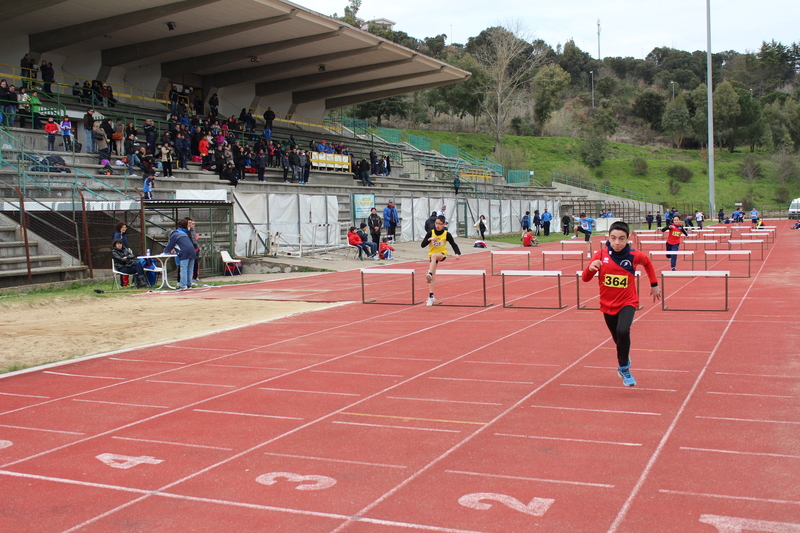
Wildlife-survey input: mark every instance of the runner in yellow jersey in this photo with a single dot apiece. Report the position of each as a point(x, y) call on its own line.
point(437, 240)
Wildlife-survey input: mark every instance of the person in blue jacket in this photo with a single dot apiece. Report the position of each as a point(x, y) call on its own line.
point(547, 217)
point(584, 225)
point(181, 243)
point(391, 220)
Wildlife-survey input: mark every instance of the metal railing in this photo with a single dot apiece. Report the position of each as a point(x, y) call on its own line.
point(605, 189)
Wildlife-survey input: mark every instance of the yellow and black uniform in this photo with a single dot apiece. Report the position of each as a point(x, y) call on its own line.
point(437, 241)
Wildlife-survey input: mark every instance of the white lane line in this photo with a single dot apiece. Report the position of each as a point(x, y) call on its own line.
point(735, 452)
point(356, 373)
point(82, 375)
point(442, 401)
point(245, 414)
point(486, 381)
point(613, 387)
point(597, 410)
point(173, 443)
point(398, 358)
point(41, 429)
point(243, 366)
point(749, 420)
point(397, 427)
point(146, 361)
point(73, 482)
point(199, 348)
point(189, 383)
point(558, 481)
point(728, 497)
point(756, 395)
point(333, 460)
point(638, 369)
point(310, 391)
point(24, 395)
point(755, 375)
point(121, 403)
point(589, 441)
point(506, 363)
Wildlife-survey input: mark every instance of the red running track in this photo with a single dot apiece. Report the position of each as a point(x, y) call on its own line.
point(411, 418)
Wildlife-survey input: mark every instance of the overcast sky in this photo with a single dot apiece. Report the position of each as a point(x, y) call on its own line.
point(627, 27)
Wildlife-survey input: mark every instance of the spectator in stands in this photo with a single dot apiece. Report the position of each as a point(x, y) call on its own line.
point(131, 129)
point(339, 147)
point(88, 126)
point(87, 93)
point(97, 93)
point(375, 222)
point(66, 133)
point(260, 163)
point(363, 169)
point(117, 137)
point(5, 101)
point(456, 184)
point(213, 106)
point(302, 162)
point(183, 148)
point(229, 173)
point(51, 129)
point(34, 73)
point(181, 244)
point(294, 163)
point(109, 131)
point(203, 149)
point(23, 110)
point(148, 185)
point(127, 263)
point(102, 143)
point(307, 166)
point(131, 147)
point(373, 159)
point(25, 66)
point(35, 105)
point(197, 104)
point(48, 76)
point(150, 135)
point(284, 159)
point(76, 92)
point(167, 156)
point(173, 100)
point(269, 117)
point(11, 109)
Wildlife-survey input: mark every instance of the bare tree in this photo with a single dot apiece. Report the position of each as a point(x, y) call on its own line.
point(507, 60)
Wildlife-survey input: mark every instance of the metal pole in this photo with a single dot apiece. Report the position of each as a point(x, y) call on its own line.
point(673, 89)
point(711, 197)
point(86, 235)
point(592, 73)
point(23, 218)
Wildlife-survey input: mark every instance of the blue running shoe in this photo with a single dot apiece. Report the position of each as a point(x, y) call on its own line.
point(625, 374)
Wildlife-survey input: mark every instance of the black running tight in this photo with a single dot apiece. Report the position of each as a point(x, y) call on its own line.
point(620, 327)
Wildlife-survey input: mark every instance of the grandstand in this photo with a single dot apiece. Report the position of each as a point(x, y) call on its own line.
point(158, 57)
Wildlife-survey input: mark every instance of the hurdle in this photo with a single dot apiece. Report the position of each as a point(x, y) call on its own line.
point(400, 271)
point(562, 253)
point(742, 242)
point(673, 252)
point(509, 253)
point(769, 233)
point(577, 241)
point(481, 273)
point(698, 242)
point(693, 274)
point(641, 248)
point(578, 280)
point(730, 253)
point(537, 273)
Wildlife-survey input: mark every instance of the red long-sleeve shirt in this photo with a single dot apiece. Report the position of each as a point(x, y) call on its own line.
point(617, 278)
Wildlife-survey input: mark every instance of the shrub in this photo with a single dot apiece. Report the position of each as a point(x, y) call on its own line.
point(750, 169)
point(680, 173)
point(574, 170)
point(593, 151)
point(674, 186)
point(639, 166)
point(783, 194)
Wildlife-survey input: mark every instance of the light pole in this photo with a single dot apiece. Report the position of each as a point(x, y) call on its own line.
point(592, 73)
point(673, 89)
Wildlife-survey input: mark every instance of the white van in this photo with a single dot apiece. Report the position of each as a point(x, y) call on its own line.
point(794, 209)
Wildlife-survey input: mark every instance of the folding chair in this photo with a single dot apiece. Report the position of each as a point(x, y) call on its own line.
point(227, 259)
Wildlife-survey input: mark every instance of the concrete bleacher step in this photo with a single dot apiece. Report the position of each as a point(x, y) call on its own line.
point(37, 261)
point(12, 278)
point(17, 248)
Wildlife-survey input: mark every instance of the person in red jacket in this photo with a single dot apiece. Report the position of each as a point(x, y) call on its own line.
point(674, 239)
point(51, 129)
point(616, 269)
point(354, 239)
point(529, 239)
point(202, 147)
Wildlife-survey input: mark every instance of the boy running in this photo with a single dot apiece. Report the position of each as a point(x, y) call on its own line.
point(437, 239)
point(616, 265)
point(674, 239)
point(584, 225)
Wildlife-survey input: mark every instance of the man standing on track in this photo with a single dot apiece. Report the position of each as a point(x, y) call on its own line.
point(547, 217)
point(754, 218)
point(616, 269)
point(391, 220)
point(437, 240)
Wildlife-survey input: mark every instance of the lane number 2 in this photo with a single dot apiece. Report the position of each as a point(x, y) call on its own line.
point(125, 462)
point(536, 507)
point(730, 524)
point(308, 482)
point(5, 444)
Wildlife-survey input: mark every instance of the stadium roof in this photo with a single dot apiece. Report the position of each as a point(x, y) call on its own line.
point(277, 47)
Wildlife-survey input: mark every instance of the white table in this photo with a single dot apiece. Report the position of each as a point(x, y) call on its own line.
point(162, 260)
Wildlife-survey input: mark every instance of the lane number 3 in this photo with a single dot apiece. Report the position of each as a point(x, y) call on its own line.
point(536, 507)
point(308, 482)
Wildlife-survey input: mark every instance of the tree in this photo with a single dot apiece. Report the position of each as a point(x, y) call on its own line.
point(676, 120)
point(649, 106)
point(385, 107)
point(507, 60)
point(459, 99)
point(726, 112)
point(749, 124)
point(351, 14)
point(606, 86)
point(700, 118)
point(593, 151)
point(548, 83)
point(575, 61)
point(604, 122)
point(436, 45)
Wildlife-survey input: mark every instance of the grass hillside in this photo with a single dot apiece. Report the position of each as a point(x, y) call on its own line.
point(546, 155)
